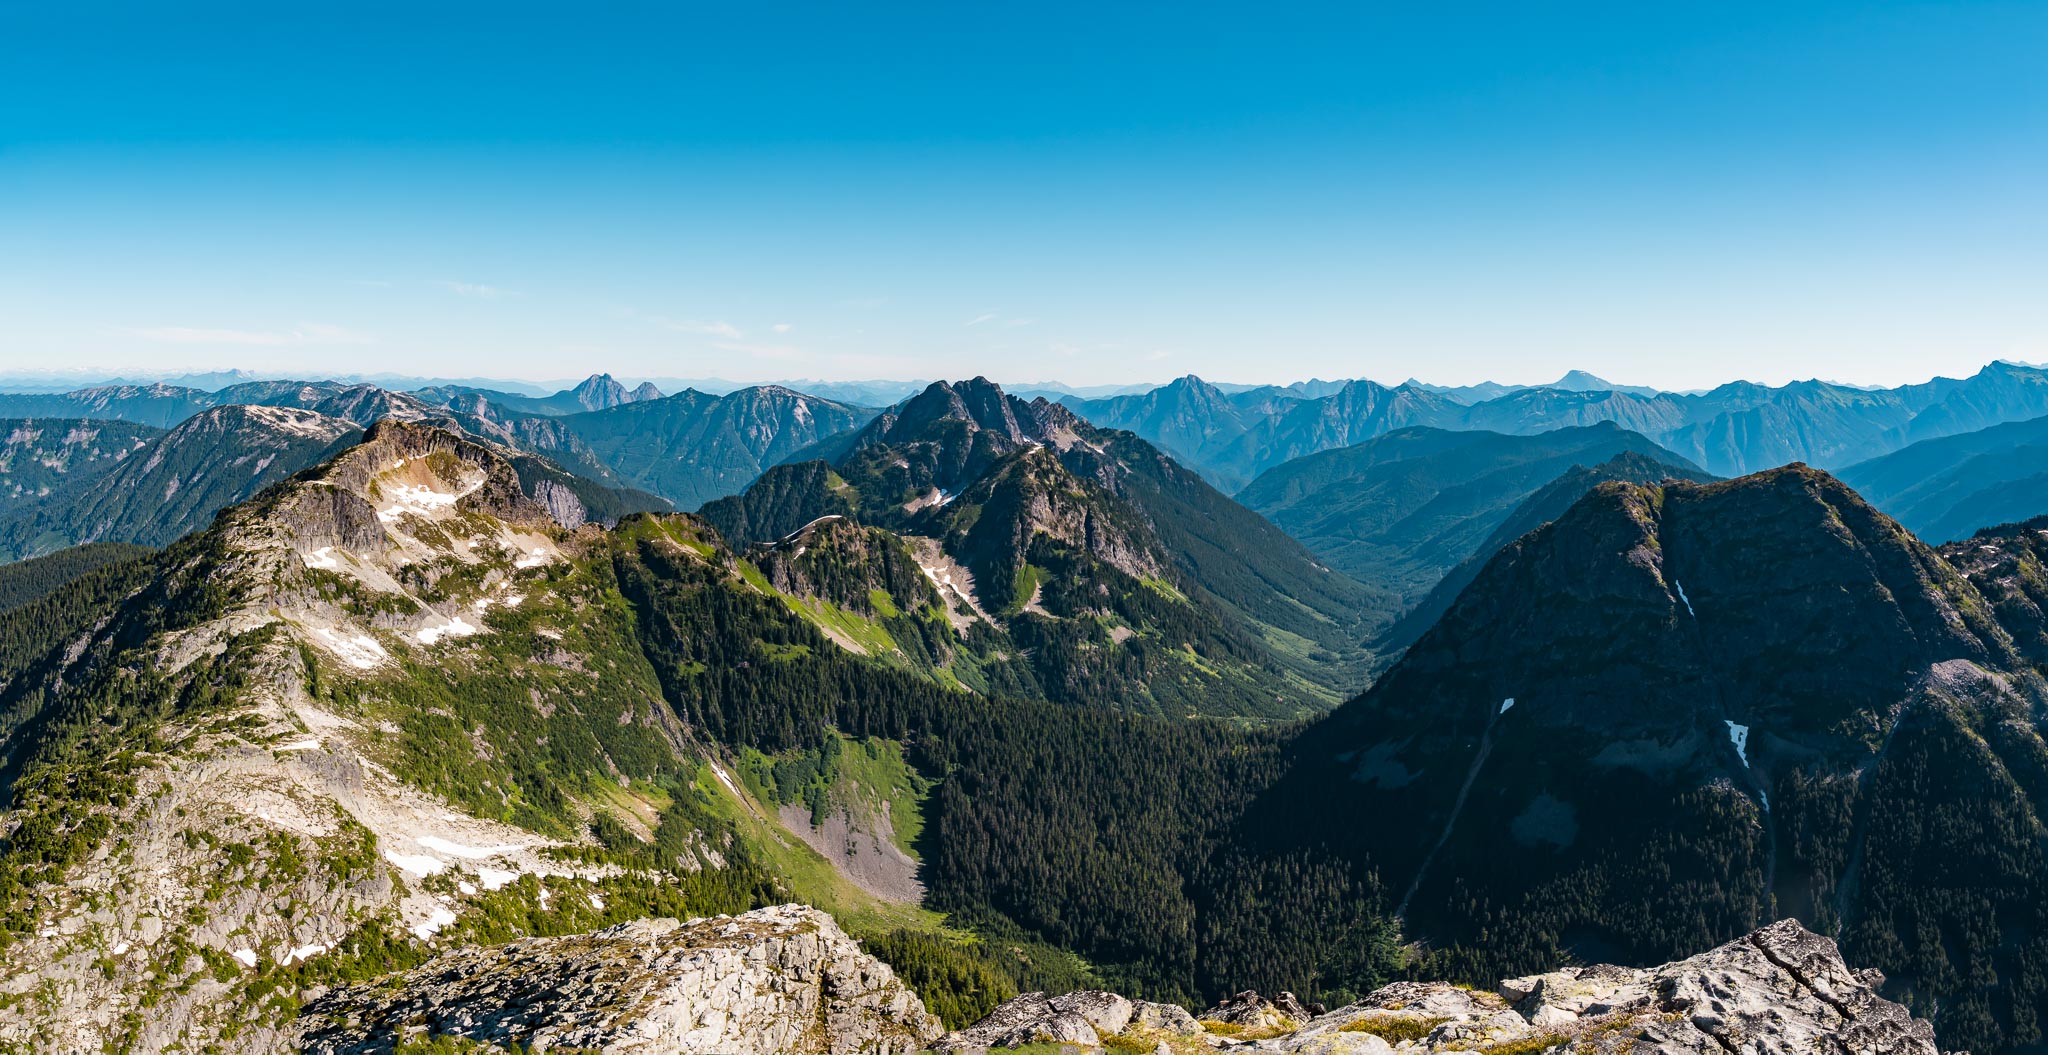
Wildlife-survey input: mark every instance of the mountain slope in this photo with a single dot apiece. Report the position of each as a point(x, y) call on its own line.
point(1948, 488)
point(179, 481)
point(1546, 504)
point(1736, 694)
point(1124, 578)
point(43, 456)
point(345, 723)
point(1404, 508)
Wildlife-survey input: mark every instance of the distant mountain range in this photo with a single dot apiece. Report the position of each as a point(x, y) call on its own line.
point(1965, 458)
point(1231, 437)
point(1401, 510)
point(1946, 489)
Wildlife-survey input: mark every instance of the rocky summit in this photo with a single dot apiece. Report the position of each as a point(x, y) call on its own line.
point(768, 982)
point(1778, 989)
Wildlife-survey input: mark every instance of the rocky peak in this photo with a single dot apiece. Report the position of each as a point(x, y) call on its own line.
point(1778, 989)
point(775, 981)
point(643, 392)
point(599, 392)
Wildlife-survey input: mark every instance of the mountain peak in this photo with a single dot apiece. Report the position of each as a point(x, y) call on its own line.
point(599, 392)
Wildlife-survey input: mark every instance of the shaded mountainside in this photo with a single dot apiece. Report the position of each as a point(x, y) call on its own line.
point(1948, 488)
point(1122, 577)
point(41, 457)
point(1682, 709)
point(1736, 428)
point(28, 581)
point(178, 482)
point(1404, 509)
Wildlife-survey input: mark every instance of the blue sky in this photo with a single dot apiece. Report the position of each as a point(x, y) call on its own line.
point(1660, 193)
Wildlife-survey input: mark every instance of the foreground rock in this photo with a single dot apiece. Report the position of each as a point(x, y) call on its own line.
point(775, 980)
point(1779, 989)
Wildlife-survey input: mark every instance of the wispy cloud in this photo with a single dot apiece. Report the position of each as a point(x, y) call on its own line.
point(474, 289)
point(302, 334)
point(708, 329)
point(863, 302)
point(781, 327)
point(988, 316)
point(763, 350)
point(1159, 354)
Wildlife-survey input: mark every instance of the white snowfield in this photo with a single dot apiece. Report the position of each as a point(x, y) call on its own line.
point(1739, 736)
point(468, 853)
point(432, 925)
point(360, 651)
point(456, 627)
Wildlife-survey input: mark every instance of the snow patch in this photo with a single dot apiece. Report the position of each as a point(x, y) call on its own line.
point(301, 745)
point(303, 952)
point(360, 651)
point(533, 559)
point(725, 779)
point(417, 864)
point(493, 878)
point(1739, 736)
point(596, 902)
point(322, 558)
point(455, 627)
point(1505, 704)
point(468, 853)
point(417, 500)
point(432, 925)
point(1682, 597)
point(245, 957)
point(466, 887)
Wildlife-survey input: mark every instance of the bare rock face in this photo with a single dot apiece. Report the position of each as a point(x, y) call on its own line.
point(1781, 989)
point(772, 981)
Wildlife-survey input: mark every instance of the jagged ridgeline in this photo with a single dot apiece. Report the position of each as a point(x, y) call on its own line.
point(1682, 709)
point(1080, 564)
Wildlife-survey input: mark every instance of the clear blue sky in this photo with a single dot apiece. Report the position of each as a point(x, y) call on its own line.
point(1672, 194)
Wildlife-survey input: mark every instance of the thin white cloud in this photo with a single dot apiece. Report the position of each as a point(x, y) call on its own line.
point(781, 327)
point(708, 329)
point(1018, 322)
point(303, 334)
point(1158, 355)
point(474, 289)
point(984, 317)
point(759, 350)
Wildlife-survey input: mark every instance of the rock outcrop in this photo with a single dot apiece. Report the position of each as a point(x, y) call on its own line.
point(772, 981)
point(1779, 989)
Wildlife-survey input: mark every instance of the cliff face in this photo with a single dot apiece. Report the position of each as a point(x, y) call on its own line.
point(775, 981)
